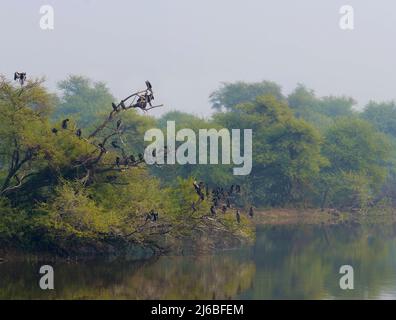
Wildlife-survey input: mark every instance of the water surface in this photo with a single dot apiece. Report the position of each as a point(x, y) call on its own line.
point(286, 262)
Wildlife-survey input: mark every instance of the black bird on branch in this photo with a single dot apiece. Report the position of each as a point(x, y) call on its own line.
point(198, 190)
point(251, 212)
point(20, 76)
point(64, 123)
point(152, 216)
point(238, 216)
point(54, 130)
point(148, 85)
point(119, 123)
point(213, 210)
point(78, 133)
point(118, 161)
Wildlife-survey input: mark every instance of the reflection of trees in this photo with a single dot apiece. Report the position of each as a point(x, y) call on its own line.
point(303, 262)
point(299, 262)
point(205, 277)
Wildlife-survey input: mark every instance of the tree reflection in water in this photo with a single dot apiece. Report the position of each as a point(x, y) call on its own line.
point(299, 262)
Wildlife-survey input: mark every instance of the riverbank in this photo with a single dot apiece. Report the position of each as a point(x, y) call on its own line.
point(284, 216)
point(263, 216)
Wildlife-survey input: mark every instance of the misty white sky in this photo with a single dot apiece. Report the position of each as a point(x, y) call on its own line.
point(186, 48)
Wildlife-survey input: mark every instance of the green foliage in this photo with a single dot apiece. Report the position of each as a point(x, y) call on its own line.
point(212, 174)
point(83, 100)
point(232, 94)
point(382, 116)
point(66, 193)
point(358, 158)
point(286, 150)
point(63, 193)
point(321, 112)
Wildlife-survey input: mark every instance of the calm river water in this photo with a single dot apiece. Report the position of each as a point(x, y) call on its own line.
point(286, 262)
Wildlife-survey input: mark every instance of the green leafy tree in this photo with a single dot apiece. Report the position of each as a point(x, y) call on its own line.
point(358, 156)
point(83, 100)
point(232, 94)
point(286, 150)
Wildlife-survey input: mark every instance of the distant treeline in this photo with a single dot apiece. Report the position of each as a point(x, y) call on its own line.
point(307, 150)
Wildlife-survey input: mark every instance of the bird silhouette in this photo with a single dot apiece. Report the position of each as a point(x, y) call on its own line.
point(21, 76)
point(213, 210)
point(251, 212)
point(64, 123)
point(238, 216)
point(148, 85)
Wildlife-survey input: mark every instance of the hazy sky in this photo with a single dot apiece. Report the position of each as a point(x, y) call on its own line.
point(186, 48)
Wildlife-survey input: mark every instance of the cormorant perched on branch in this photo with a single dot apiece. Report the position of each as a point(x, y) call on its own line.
point(238, 216)
point(251, 212)
point(118, 161)
point(141, 103)
point(152, 215)
point(213, 210)
point(198, 190)
point(64, 123)
point(78, 133)
point(115, 108)
point(119, 123)
point(54, 130)
point(196, 186)
point(21, 76)
point(149, 86)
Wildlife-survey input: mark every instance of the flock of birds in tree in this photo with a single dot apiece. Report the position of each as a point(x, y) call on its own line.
point(222, 199)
